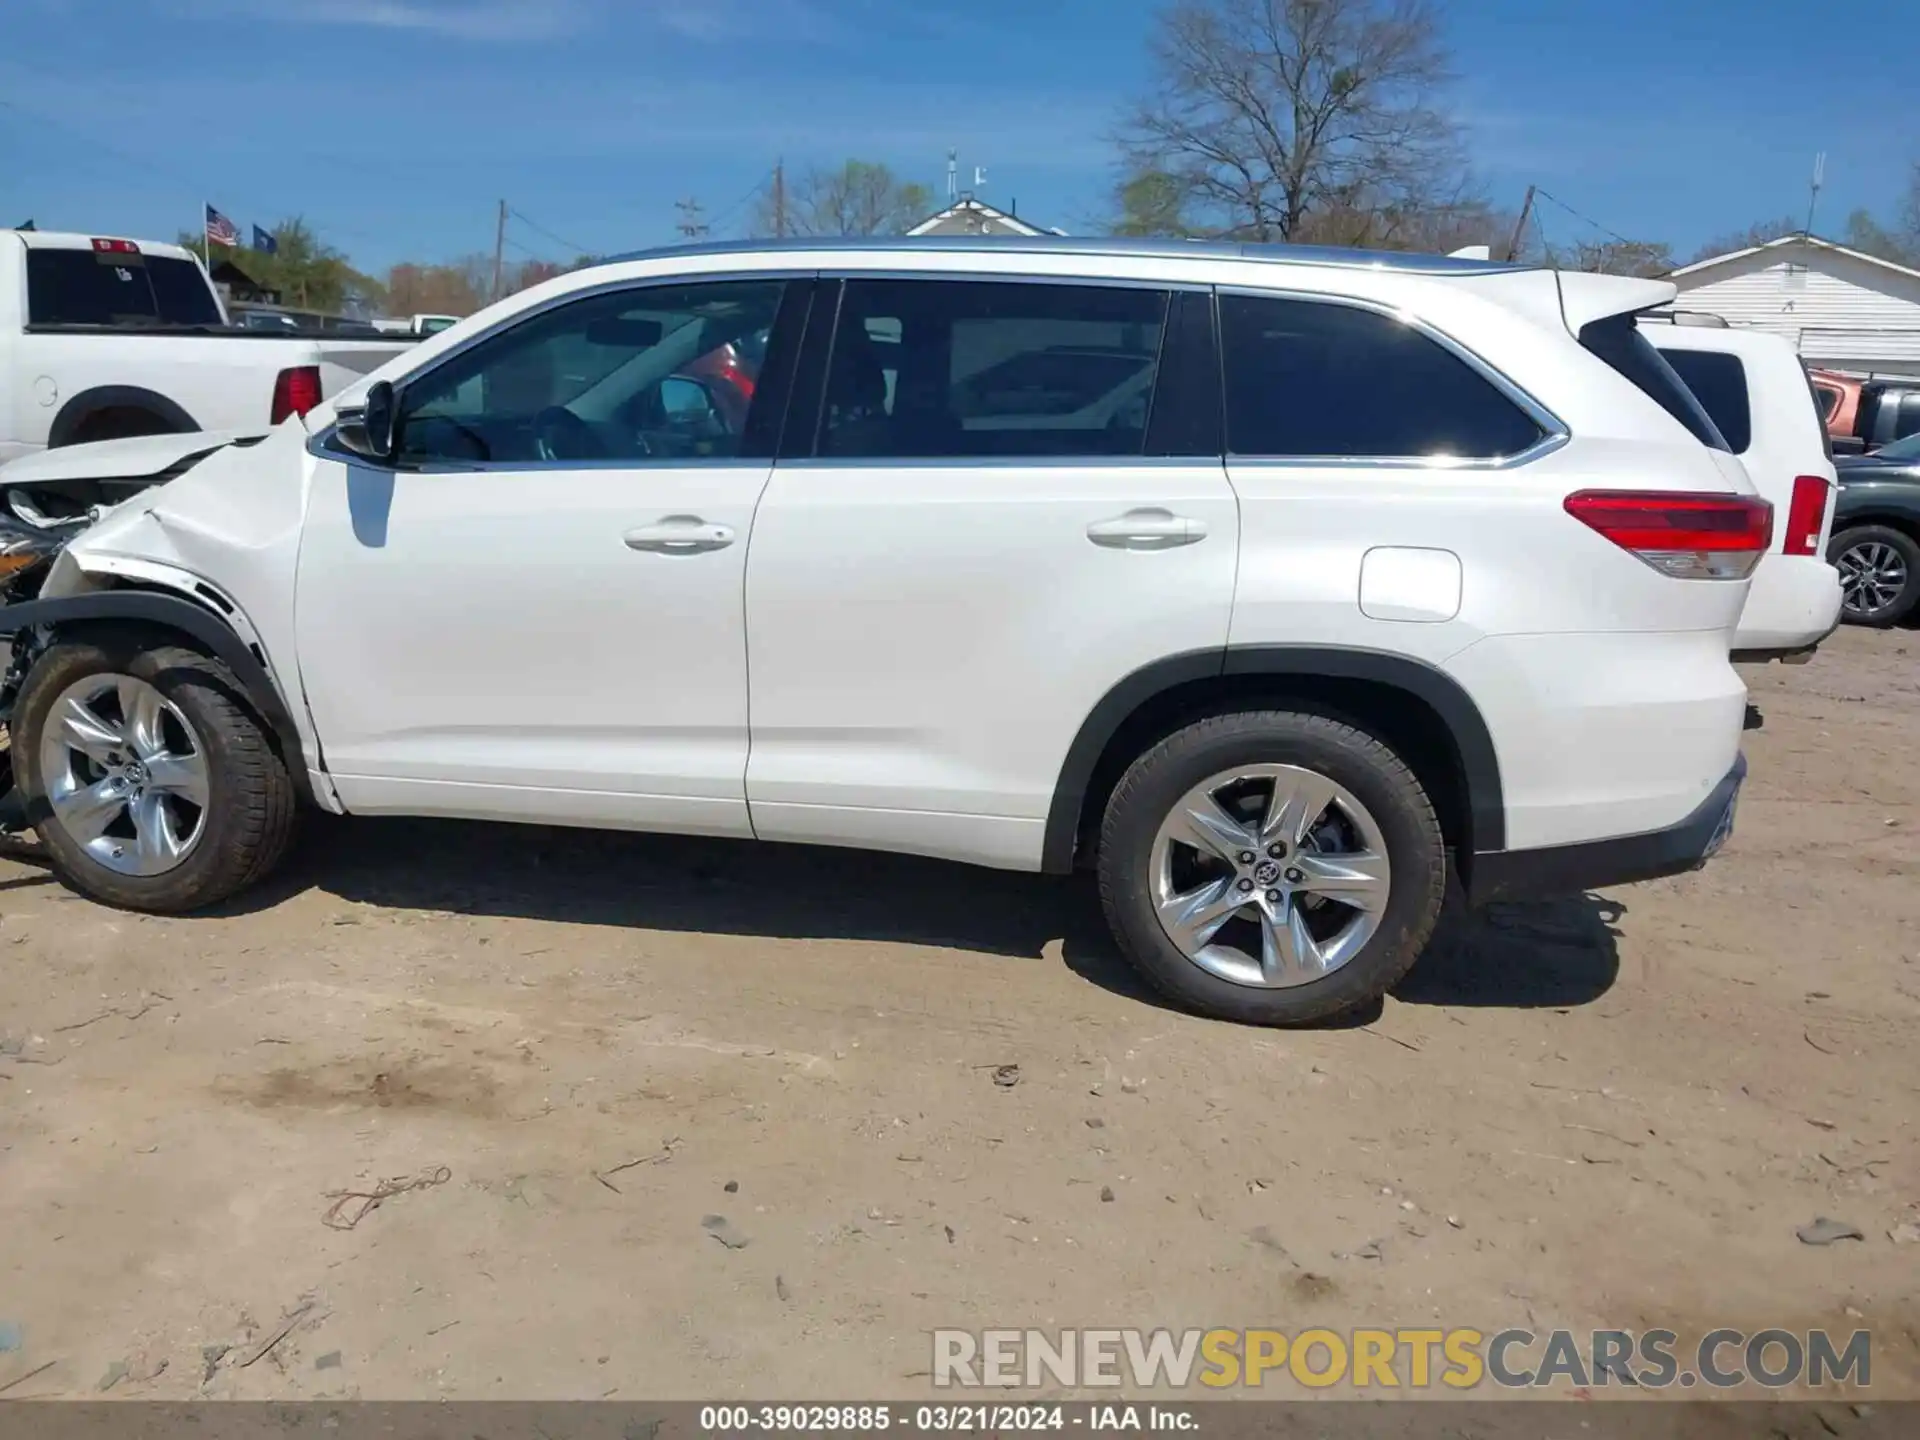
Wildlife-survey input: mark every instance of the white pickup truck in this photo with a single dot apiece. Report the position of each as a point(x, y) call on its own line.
point(103, 338)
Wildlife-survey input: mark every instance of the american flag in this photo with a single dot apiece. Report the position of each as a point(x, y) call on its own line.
point(221, 230)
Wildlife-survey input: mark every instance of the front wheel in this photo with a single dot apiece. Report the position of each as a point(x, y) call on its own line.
point(1271, 867)
point(152, 784)
point(1879, 574)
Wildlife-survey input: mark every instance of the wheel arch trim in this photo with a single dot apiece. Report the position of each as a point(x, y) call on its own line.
point(1472, 741)
point(83, 406)
point(199, 623)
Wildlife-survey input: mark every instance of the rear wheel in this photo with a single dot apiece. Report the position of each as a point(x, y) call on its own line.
point(1879, 574)
point(151, 782)
point(1271, 867)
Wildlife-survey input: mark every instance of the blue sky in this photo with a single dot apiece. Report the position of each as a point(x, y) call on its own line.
point(396, 125)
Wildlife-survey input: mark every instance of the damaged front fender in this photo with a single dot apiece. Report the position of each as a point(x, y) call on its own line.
point(200, 624)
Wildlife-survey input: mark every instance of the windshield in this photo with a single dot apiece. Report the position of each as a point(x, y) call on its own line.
point(79, 287)
point(1907, 449)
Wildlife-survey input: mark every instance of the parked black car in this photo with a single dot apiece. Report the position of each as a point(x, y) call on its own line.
point(1876, 533)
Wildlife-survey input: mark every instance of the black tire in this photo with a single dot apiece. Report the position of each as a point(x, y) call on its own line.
point(251, 809)
point(1375, 775)
point(1901, 544)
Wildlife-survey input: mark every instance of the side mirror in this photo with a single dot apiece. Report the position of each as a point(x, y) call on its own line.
point(369, 431)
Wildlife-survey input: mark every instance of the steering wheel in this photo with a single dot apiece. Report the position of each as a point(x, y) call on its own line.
point(559, 434)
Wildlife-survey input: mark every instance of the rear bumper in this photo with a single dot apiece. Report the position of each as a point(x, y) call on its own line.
point(1596, 864)
point(1792, 605)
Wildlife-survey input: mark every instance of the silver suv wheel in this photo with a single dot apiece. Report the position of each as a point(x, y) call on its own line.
point(1270, 875)
point(125, 774)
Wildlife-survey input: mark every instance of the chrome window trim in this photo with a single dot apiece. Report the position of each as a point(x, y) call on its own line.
point(320, 447)
point(1003, 462)
point(1437, 464)
point(1554, 430)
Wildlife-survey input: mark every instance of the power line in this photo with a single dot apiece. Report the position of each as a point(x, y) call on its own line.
point(726, 216)
point(538, 228)
point(1585, 219)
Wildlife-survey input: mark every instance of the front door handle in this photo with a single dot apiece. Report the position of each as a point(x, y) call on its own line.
point(1148, 529)
point(680, 535)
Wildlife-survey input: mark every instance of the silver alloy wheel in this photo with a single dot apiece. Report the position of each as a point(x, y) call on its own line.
point(1270, 875)
point(126, 776)
point(1872, 575)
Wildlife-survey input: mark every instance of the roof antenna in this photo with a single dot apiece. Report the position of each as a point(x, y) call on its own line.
point(1819, 176)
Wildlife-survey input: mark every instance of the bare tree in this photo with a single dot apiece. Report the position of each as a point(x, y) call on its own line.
point(859, 198)
point(1761, 232)
point(1270, 113)
point(1647, 258)
point(1867, 235)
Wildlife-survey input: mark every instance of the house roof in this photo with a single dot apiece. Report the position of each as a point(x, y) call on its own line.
point(968, 216)
point(1785, 242)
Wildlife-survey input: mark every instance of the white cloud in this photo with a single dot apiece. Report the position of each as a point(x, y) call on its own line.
point(463, 19)
point(479, 20)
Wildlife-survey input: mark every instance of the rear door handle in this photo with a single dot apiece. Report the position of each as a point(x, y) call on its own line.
point(680, 535)
point(1147, 529)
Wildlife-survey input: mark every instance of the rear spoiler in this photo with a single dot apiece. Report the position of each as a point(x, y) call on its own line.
point(1587, 298)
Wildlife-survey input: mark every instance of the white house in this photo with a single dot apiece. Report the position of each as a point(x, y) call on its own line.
point(1842, 309)
point(968, 216)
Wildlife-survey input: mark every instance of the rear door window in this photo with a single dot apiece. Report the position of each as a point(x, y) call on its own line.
point(1618, 341)
point(1308, 379)
point(1719, 382)
point(955, 369)
point(80, 287)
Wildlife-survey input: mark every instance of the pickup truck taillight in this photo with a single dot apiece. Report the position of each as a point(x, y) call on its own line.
point(1686, 535)
point(295, 391)
point(1806, 513)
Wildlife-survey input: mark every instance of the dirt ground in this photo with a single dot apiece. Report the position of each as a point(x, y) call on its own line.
point(1610, 1111)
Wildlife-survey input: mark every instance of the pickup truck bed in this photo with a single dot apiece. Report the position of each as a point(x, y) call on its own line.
point(105, 338)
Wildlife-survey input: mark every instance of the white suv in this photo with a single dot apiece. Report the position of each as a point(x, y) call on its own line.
point(1755, 390)
point(1269, 583)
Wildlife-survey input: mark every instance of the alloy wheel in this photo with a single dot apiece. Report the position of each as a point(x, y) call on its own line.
point(1270, 875)
point(125, 774)
point(1872, 577)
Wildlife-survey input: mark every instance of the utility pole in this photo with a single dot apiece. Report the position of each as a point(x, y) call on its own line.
point(780, 199)
point(500, 251)
point(1520, 225)
point(690, 223)
point(1819, 178)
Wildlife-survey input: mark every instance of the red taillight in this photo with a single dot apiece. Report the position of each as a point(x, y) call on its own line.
point(1688, 536)
point(1806, 513)
point(295, 391)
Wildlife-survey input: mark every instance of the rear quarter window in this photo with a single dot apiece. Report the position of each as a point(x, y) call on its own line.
point(1311, 379)
point(1617, 340)
point(1719, 382)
